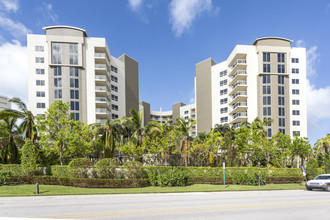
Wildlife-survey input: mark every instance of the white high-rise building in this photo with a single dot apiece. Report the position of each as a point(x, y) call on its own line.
point(65, 64)
point(265, 80)
point(4, 103)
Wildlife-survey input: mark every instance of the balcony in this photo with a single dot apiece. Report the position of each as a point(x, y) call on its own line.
point(238, 86)
point(238, 97)
point(102, 91)
point(238, 75)
point(100, 55)
point(237, 125)
point(239, 117)
point(102, 102)
point(238, 107)
point(100, 120)
point(239, 64)
point(102, 80)
point(102, 113)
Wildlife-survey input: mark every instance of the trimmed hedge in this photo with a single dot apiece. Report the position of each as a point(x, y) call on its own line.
point(14, 169)
point(60, 171)
point(79, 182)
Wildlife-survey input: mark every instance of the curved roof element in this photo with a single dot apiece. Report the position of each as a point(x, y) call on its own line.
point(64, 26)
point(272, 38)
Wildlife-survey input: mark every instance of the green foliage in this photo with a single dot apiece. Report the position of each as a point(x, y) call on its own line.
point(60, 171)
point(327, 165)
point(78, 167)
point(4, 177)
point(14, 169)
point(29, 159)
point(311, 169)
point(134, 170)
point(171, 176)
point(106, 168)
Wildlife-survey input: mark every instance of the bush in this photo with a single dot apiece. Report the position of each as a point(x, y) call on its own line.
point(327, 165)
point(78, 168)
point(29, 159)
point(14, 169)
point(106, 168)
point(174, 176)
point(134, 170)
point(4, 177)
point(311, 169)
point(60, 171)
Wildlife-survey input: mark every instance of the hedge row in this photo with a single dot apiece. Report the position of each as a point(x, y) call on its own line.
point(79, 182)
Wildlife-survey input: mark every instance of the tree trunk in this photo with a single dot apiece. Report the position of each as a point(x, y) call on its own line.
point(61, 156)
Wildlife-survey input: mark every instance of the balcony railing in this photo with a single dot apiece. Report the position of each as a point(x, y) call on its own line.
point(239, 104)
point(240, 114)
point(102, 78)
point(100, 120)
point(238, 61)
point(103, 111)
point(241, 93)
point(237, 125)
point(238, 72)
point(101, 66)
point(99, 55)
point(239, 83)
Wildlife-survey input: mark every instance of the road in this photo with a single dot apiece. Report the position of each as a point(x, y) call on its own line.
point(293, 204)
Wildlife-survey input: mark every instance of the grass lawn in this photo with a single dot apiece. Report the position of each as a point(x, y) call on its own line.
point(48, 190)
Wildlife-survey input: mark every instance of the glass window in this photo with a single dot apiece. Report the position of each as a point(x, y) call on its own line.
point(295, 102)
point(295, 112)
point(74, 106)
point(40, 60)
point(114, 107)
point(74, 71)
point(58, 93)
point(40, 82)
point(223, 92)
point(266, 100)
point(39, 48)
point(57, 58)
point(266, 90)
point(296, 123)
point(295, 91)
point(114, 78)
point(280, 100)
point(74, 94)
point(269, 132)
point(114, 69)
point(41, 105)
point(56, 47)
point(266, 79)
point(114, 116)
point(223, 101)
point(223, 82)
point(73, 48)
point(266, 68)
point(223, 73)
point(223, 110)
point(282, 130)
point(57, 82)
point(281, 111)
point(281, 90)
point(281, 57)
point(295, 70)
point(40, 71)
point(266, 57)
point(267, 111)
point(281, 68)
point(295, 60)
point(114, 97)
point(186, 112)
point(280, 80)
point(74, 83)
point(114, 88)
point(281, 122)
point(58, 71)
point(74, 59)
point(224, 119)
point(295, 81)
point(40, 94)
point(296, 133)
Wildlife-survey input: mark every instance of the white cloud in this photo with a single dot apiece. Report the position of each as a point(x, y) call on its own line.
point(184, 12)
point(135, 5)
point(13, 66)
point(48, 15)
point(312, 60)
point(16, 29)
point(9, 5)
point(300, 43)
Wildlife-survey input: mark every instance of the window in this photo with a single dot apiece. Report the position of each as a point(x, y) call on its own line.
point(295, 112)
point(223, 92)
point(223, 110)
point(41, 105)
point(281, 57)
point(295, 70)
point(56, 47)
point(281, 80)
point(295, 60)
point(114, 88)
point(267, 111)
point(296, 133)
point(281, 112)
point(223, 101)
point(74, 106)
point(266, 90)
point(74, 71)
point(114, 78)
point(114, 97)
point(74, 94)
point(281, 122)
point(58, 93)
point(223, 73)
point(224, 119)
point(75, 116)
point(73, 48)
point(40, 71)
point(114, 107)
point(266, 68)
point(40, 94)
point(74, 59)
point(270, 123)
point(223, 82)
point(57, 82)
point(74, 83)
point(282, 130)
point(281, 90)
point(266, 57)
point(295, 91)
point(40, 60)
point(114, 116)
point(57, 59)
point(266, 100)
point(269, 132)
point(58, 71)
point(40, 82)
point(39, 48)
point(296, 123)
point(56, 53)
point(280, 100)
point(281, 68)
point(266, 79)
point(186, 112)
point(114, 69)
point(295, 102)
point(295, 81)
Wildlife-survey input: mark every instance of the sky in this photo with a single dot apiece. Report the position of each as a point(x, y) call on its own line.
point(168, 38)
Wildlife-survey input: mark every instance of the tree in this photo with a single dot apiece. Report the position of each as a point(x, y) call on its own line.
point(183, 127)
point(10, 137)
point(136, 120)
point(301, 147)
point(242, 141)
point(29, 159)
point(283, 148)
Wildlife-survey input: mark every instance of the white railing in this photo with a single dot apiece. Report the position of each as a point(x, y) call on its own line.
point(239, 104)
point(101, 88)
point(99, 55)
point(240, 114)
point(101, 66)
point(238, 61)
point(239, 94)
point(239, 83)
point(103, 78)
point(237, 125)
point(100, 120)
point(238, 72)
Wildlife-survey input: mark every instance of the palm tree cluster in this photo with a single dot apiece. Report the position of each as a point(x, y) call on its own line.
point(60, 140)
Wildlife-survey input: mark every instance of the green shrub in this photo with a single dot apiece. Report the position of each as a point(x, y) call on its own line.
point(106, 168)
point(4, 177)
point(14, 169)
point(29, 159)
point(134, 170)
point(327, 165)
point(60, 171)
point(78, 167)
point(173, 176)
point(311, 169)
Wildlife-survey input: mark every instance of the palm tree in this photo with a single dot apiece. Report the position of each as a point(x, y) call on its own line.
point(324, 143)
point(183, 127)
point(136, 120)
point(10, 137)
point(27, 125)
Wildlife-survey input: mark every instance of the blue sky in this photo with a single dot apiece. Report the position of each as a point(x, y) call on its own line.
point(168, 37)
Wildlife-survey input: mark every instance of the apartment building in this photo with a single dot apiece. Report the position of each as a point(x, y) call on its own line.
point(178, 110)
point(4, 103)
point(266, 79)
point(65, 64)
